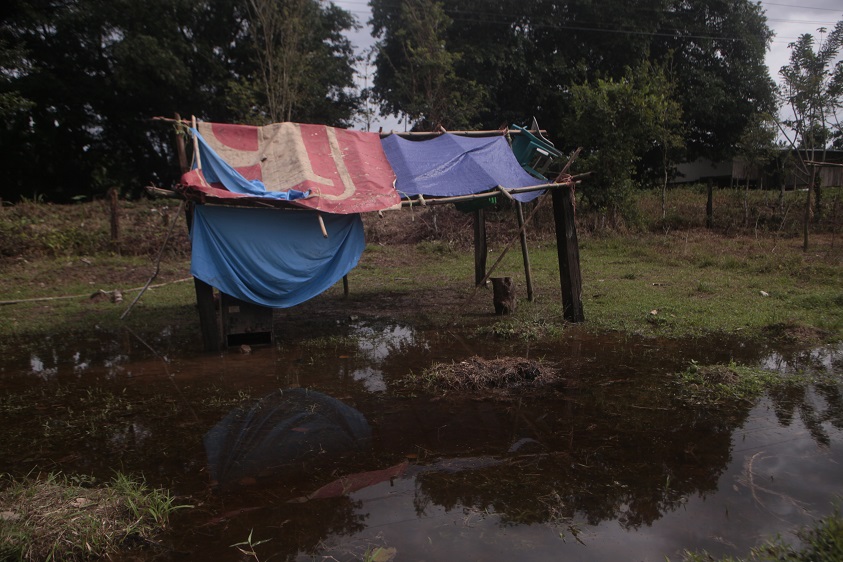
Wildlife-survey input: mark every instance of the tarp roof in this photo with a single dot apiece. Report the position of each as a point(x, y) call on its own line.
point(451, 165)
point(321, 168)
point(341, 171)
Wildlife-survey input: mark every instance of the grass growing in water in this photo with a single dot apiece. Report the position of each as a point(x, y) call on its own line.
point(821, 542)
point(713, 385)
point(68, 518)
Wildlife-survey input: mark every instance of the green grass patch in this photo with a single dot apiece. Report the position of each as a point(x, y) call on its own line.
point(682, 283)
point(718, 385)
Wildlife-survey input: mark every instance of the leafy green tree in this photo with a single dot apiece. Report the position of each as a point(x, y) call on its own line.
point(304, 62)
point(635, 113)
point(812, 93)
point(11, 100)
point(416, 73)
point(757, 148)
point(717, 50)
point(526, 56)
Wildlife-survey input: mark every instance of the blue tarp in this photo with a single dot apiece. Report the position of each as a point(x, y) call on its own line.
point(451, 165)
point(270, 257)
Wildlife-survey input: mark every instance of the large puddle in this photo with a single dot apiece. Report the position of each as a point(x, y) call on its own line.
point(317, 448)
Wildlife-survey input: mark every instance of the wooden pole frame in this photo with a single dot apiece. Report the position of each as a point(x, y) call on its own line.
point(568, 251)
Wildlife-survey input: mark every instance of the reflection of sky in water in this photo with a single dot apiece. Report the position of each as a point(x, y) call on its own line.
point(825, 359)
point(133, 434)
point(374, 345)
point(52, 363)
point(79, 365)
point(114, 365)
point(372, 379)
point(40, 370)
point(777, 480)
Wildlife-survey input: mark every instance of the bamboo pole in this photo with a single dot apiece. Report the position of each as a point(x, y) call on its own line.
point(91, 295)
point(492, 193)
point(322, 225)
point(157, 261)
point(509, 245)
point(519, 213)
point(431, 134)
point(528, 271)
point(195, 144)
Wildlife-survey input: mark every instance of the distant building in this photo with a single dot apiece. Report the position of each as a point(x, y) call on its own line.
point(780, 171)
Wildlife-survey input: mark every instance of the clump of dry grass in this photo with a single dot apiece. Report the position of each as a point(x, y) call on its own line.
point(56, 518)
point(477, 374)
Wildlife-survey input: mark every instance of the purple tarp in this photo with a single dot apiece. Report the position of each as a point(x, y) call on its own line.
point(451, 165)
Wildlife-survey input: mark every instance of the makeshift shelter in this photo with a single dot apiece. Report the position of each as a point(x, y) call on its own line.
point(320, 179)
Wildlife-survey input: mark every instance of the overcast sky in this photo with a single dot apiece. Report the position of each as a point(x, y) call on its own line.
point(785, 18)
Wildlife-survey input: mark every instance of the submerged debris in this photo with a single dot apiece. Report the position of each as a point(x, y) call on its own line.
point(477, 374)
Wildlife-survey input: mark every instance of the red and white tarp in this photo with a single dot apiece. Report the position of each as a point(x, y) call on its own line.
point(345, 171)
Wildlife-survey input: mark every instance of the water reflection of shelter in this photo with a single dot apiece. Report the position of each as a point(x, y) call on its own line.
point(284, 427)
point(632, 466)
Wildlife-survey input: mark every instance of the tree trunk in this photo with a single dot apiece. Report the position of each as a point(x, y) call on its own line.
point(807, 219)
point(503, 290)
point(709, 206)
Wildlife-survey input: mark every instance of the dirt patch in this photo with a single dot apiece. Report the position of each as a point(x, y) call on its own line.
point(789, 333)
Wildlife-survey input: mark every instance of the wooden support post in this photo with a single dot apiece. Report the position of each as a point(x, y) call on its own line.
point(184, 166)
point(709, 205)
point(180, 147)
point(480, 250)
point(528, 273)
point(345, 286)
point(208, 320)
point(568, 251)
point(113, 200)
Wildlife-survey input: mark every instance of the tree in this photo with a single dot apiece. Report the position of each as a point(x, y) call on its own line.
point(631, 115)
point(94, 73)
point(419, 77)
point(757, 147)
point(812, 91)
point(304, 63)
point(527, 56)
point(717, 49)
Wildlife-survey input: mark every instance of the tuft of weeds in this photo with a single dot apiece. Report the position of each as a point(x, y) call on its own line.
point(821, 541)
point(477, 374)
point(715, 385)
point(247, 547)
point(56, 517)
point(521, 329)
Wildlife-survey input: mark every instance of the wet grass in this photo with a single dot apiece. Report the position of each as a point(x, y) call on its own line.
point(56, 517)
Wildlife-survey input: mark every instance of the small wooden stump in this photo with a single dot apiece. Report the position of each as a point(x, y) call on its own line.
point(503, 289)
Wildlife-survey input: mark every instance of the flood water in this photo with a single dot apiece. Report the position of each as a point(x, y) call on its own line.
point(320, 450)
